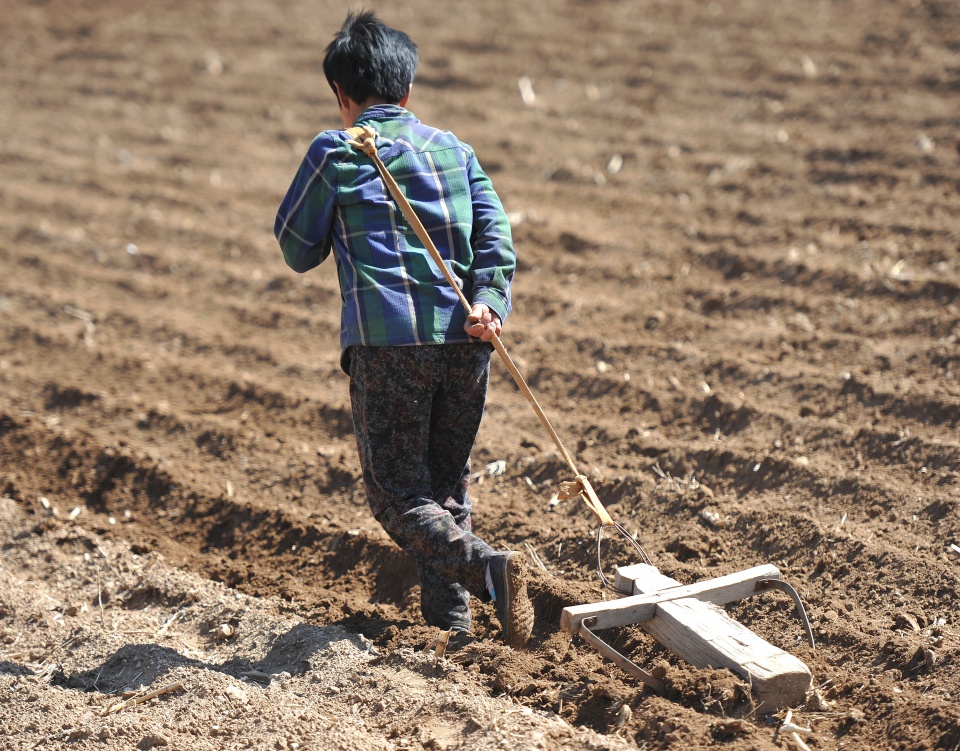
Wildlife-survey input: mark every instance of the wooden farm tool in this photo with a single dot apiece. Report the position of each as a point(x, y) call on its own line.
point(364, 138)
point(685, 619)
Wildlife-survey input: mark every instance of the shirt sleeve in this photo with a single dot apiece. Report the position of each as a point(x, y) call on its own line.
point(494, 259)
point(305, 217)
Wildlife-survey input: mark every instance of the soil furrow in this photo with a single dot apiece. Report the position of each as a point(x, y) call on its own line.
point(736, 298)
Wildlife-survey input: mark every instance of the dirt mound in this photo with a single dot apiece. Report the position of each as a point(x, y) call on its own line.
point(739, 238)
point(102, 627)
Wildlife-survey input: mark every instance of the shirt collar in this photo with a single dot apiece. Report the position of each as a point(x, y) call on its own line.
point(384, 112)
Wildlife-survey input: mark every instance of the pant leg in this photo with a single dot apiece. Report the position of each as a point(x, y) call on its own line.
point(392, 392)
point(458, 405)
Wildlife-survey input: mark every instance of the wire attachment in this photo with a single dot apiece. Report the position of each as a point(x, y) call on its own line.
point(644, 558)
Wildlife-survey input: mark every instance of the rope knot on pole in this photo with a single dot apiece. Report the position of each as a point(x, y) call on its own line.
point(363, 138)
point(572, 488)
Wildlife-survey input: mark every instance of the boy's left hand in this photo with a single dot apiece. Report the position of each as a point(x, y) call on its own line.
point(482, 322)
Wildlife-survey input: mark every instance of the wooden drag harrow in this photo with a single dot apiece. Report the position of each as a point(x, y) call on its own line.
point(688, 622)
point(686, 619)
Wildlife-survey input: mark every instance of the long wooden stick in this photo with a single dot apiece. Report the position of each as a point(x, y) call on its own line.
point(364, 138)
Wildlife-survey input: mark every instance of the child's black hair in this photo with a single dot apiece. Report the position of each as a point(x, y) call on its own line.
point(370, 60)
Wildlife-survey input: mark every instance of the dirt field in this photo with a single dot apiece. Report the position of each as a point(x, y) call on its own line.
point(738, 226)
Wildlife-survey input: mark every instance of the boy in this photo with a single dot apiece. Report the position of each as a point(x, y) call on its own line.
point(418, 363)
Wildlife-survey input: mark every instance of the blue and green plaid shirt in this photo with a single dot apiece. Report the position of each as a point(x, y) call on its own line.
point(392, 292)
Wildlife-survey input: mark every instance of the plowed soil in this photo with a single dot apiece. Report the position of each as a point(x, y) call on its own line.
point(738, 299)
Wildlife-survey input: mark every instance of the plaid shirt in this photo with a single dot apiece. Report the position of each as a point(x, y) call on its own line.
point(392, 292)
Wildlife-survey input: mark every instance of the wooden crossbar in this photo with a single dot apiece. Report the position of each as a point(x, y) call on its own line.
point(640, 608)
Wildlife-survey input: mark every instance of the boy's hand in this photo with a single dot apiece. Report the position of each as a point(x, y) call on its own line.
point(482, 322)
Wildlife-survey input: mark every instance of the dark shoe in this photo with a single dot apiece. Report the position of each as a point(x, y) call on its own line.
point(514, 609)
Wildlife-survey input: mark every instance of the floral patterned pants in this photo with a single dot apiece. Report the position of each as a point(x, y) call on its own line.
point(416, 412)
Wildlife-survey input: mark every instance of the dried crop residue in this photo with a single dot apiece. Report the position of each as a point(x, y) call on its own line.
point(738, 228)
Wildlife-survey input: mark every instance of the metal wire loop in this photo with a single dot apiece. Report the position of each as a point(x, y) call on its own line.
point(644, 558)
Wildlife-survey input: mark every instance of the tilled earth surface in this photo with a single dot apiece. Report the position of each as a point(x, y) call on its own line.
point(738, 228)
